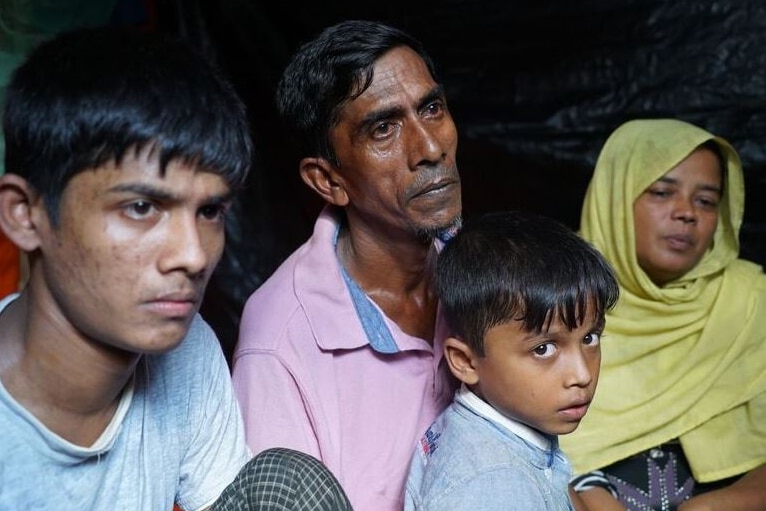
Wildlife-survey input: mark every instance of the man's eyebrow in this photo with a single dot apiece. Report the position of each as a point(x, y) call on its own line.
point(376, 116)
point(436, 93)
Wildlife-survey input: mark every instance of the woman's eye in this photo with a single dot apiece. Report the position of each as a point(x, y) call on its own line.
point(659, 192)
point(708, 203)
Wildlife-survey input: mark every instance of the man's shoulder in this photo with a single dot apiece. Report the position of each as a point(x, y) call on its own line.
point(302, 290)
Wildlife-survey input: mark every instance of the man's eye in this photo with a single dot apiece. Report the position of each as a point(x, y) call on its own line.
point(382, 129)
point(434, 108)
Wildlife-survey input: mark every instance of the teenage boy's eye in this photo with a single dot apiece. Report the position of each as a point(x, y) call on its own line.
point(139, 208)
point(216, 212)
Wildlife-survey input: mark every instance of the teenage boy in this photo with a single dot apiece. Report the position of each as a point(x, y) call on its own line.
point(123, 150)
point(525, 297)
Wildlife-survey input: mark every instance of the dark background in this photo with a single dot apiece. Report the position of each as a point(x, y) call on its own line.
point(535, 88)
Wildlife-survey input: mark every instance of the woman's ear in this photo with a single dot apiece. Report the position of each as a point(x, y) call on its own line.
point(320, 176)
point(20, 207)
point(460, 359)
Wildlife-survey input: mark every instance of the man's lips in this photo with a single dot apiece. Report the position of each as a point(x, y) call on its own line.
point(434, 187)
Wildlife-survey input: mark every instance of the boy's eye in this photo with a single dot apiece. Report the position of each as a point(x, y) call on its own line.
point(545, 350)
point(592, 339)
point(213, 212)
point(139, 209)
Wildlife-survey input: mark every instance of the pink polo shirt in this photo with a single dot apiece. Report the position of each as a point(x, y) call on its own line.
point(307, 377)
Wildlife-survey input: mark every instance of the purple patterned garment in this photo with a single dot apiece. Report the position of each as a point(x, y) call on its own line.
point(664, 484)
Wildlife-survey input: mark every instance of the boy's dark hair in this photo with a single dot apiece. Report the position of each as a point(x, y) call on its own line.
point(520, 266)
point(87, 96)
point(330, 70)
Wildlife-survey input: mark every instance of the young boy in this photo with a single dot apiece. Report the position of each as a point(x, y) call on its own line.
point(525, 297)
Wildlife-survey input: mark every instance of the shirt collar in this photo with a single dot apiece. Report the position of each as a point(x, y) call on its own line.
point(481, 407)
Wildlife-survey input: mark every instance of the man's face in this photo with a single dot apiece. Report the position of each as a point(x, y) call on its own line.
point(396, 146)
point(545, 380)
point(133, 251)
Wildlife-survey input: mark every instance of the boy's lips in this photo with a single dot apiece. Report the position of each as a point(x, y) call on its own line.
point(174, 304)
point(576, 411)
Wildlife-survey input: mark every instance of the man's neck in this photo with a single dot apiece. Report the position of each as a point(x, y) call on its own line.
point(397, 277)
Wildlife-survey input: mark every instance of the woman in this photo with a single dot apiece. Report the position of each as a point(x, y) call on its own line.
point(680, 410)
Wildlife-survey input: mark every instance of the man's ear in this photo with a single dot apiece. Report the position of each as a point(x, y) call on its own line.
point(320, 176)
point(20, 210)
point(461, 360)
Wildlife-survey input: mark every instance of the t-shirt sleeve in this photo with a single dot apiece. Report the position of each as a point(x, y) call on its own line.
point(216, 446)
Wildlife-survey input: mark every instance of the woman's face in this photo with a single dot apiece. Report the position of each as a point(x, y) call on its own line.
point(676, 217)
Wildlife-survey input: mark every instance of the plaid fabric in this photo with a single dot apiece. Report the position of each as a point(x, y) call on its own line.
point(281, 479)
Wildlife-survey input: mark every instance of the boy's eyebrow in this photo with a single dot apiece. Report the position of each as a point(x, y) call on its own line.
point(158, 194)
point(601, 322)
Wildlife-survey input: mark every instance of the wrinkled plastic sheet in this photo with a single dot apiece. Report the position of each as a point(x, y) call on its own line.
point(535, 87)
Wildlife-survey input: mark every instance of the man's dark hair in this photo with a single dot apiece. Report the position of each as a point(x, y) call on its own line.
point(330, 70)
point(520, 266)
point(87, 96)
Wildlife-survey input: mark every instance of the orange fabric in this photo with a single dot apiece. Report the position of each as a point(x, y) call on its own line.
point(10, 266)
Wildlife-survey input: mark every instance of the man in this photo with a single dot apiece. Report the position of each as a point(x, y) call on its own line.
point(339, 353)
point(123, 151)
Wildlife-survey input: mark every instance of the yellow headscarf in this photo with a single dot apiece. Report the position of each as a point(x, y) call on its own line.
point(686, 360)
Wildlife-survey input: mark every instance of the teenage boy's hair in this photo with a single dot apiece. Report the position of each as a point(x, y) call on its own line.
point(87, 96)
point(330, 70)
point(520, 266)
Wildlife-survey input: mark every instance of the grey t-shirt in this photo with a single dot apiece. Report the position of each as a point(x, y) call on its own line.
point(177, 436)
